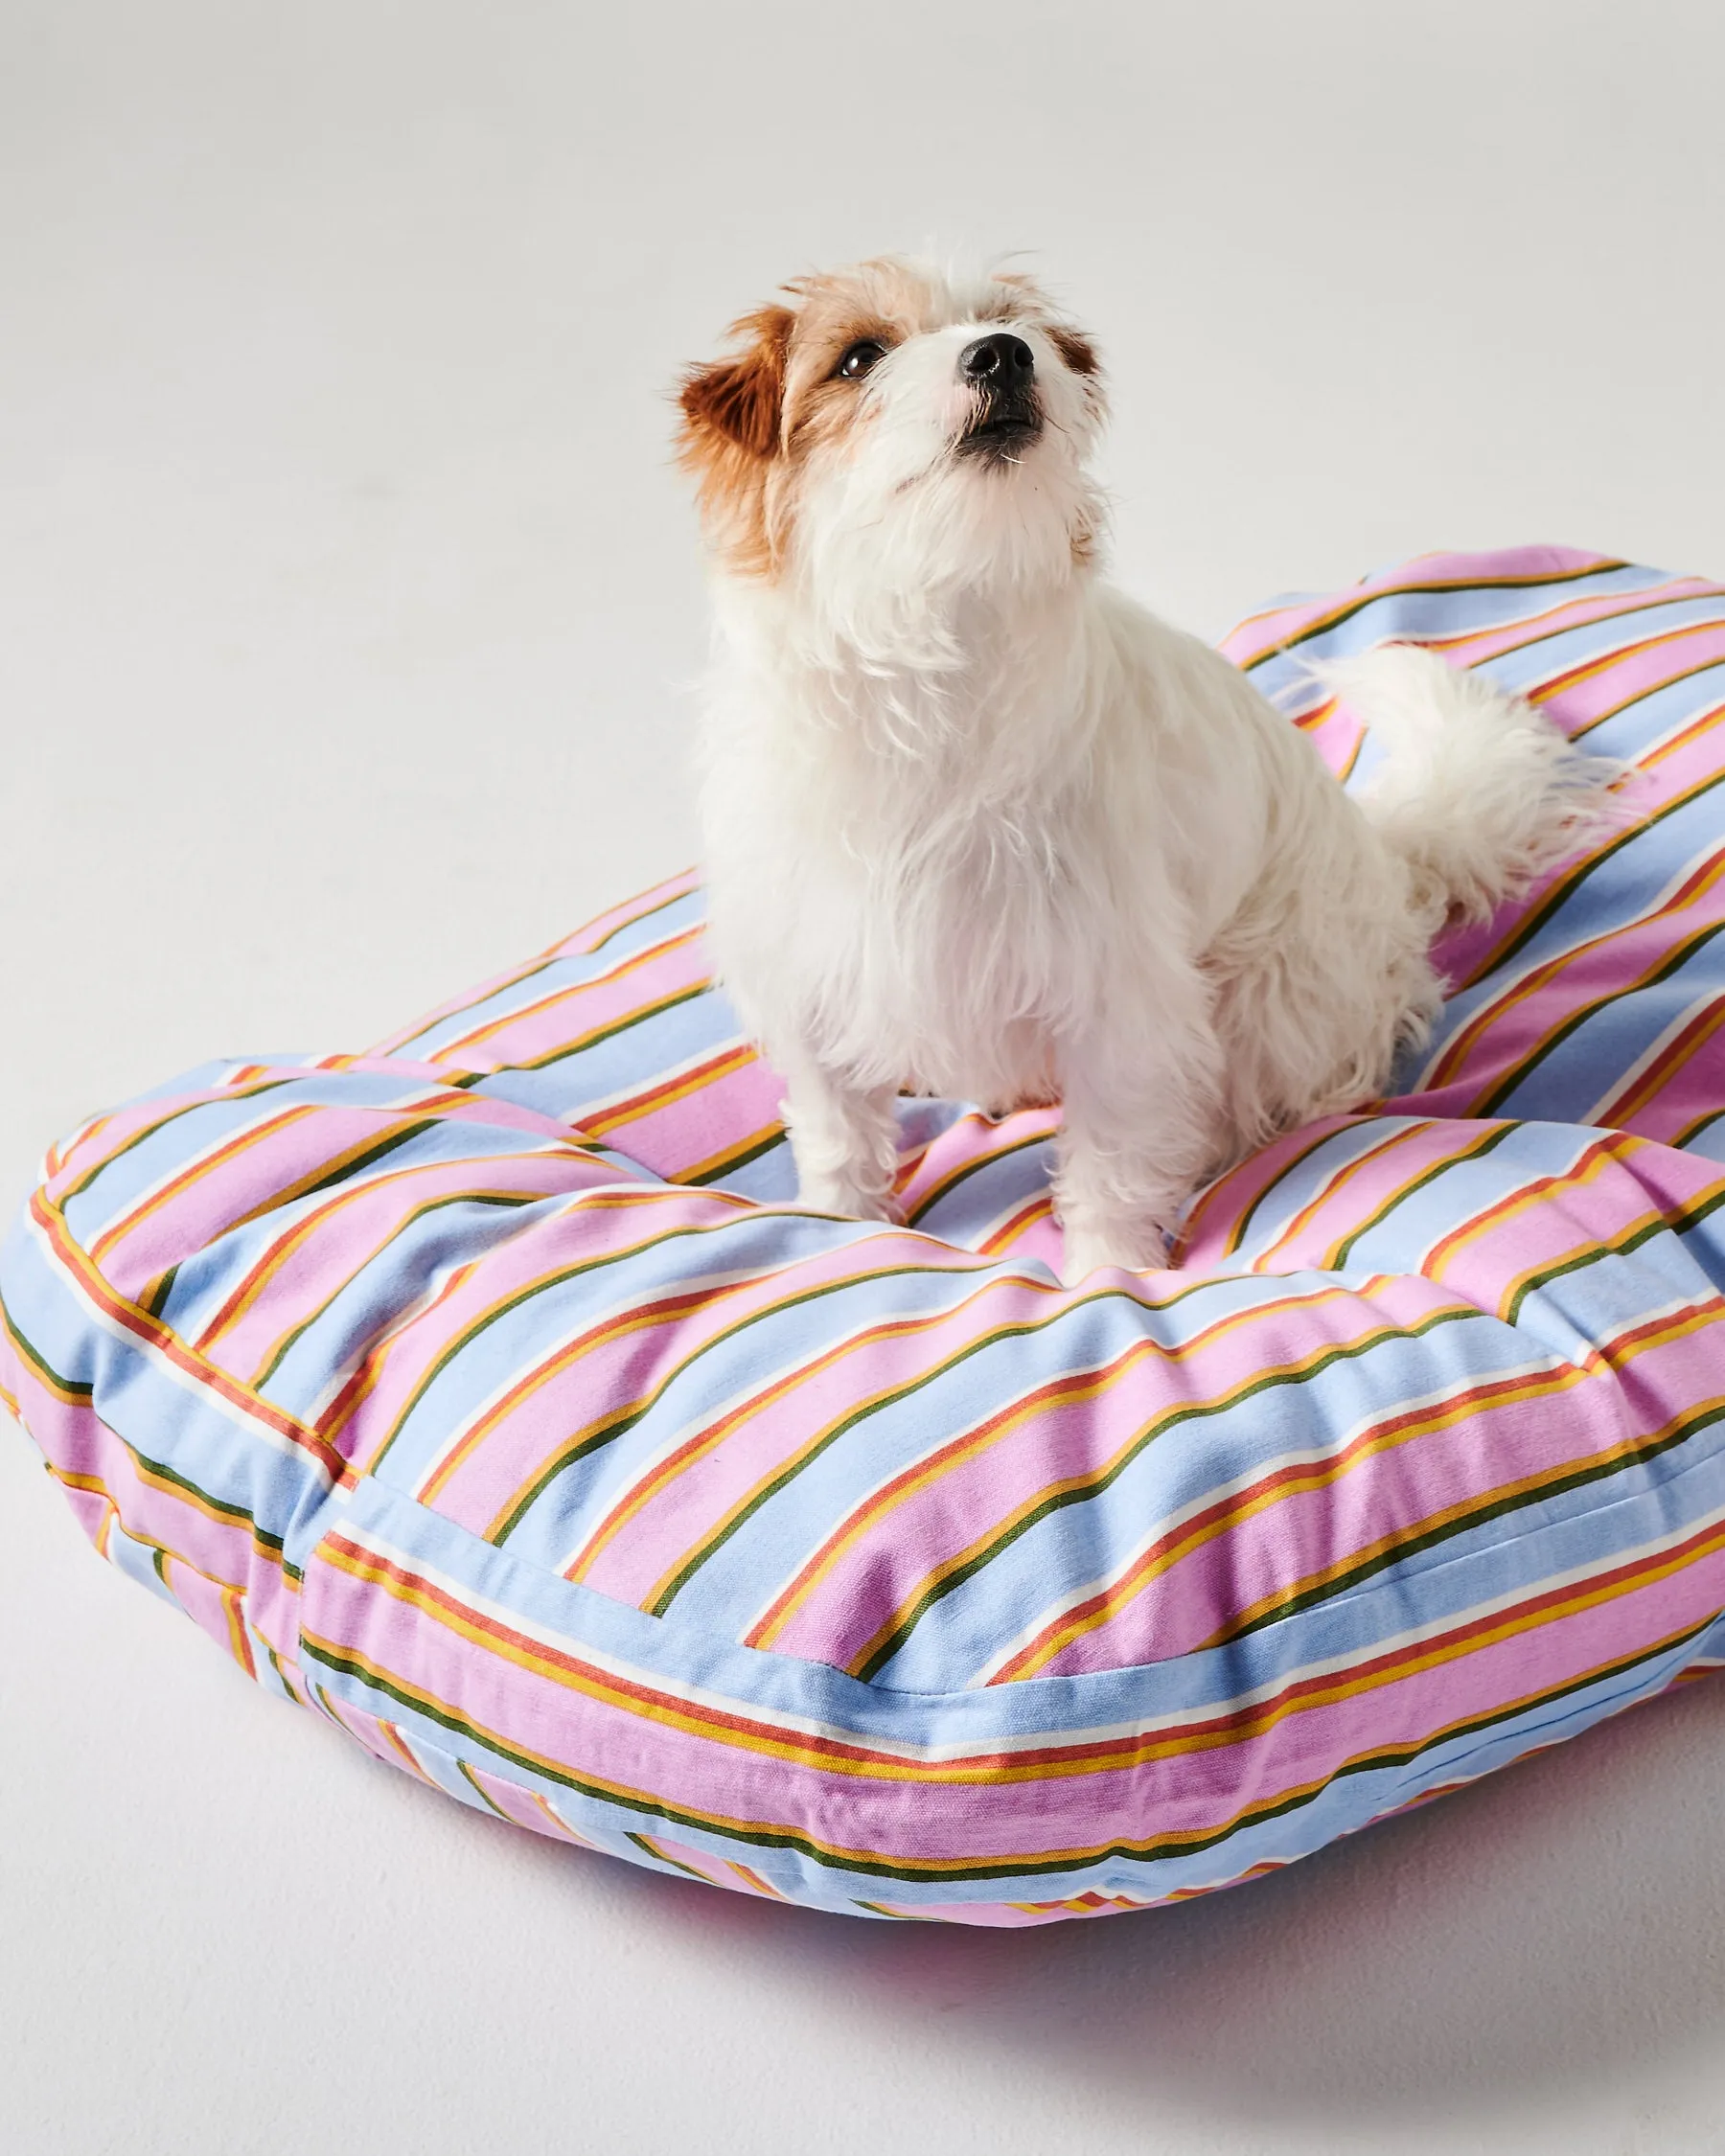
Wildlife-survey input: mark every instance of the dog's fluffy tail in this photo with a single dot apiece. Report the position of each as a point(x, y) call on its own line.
point(1477, 791)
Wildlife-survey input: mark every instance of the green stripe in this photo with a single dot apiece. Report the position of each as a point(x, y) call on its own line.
point(657, 1857)
point(496, 1312)
point(467, 1775)
point(156, 1300)
point(531, 973)
point(45, 1370)
point(211, 1097)
point(1560, 1484)
point(648, 913)
point(1237, 1235)
point(729, 1165)
point(1335, 619)
point(1020, 1330)
point(1641, 603)
point(1197, 1411)
point(1423, 1181)
point(1679, 1222)
point(238, 1515)
point(974, 1168)
point(292, 1337)
point(1558, 897)
point(1149, 1850)
point(1655, 688)
point(639, 1017)
point(350, 1166)
point(1518, 1074)
point(568, 1456)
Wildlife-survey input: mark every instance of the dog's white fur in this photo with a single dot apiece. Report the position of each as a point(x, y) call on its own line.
point(978, 824)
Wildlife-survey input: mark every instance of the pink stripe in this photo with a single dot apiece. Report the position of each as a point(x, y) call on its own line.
point(711, 1120)
point(687, 1507)
point(1574, 1216)
point(118, 1131)
point(1587, 980)
point(308, 1140)
point(1483, 644)
point(356, 1224)
point(111, 1135)
point(1196, 1791)
point(514, 1804)
point(1308, 1533)
point(1264, 633)
point(547, 1023)
point(90, 1508)
point(1316, 1231)
point(1463, 955)
point(310, 1137)
point(592, 933)
point(1696, 1087)
point(1220, 1209)
point(626, 1367)
point(584, 939)
point(203, 1602)
point(1635, 675)
point(1337, 739)
point(365, 1729)
point(1038, 1239)
point(76, 1440)
point(713, 1869)
point(888, 1564)
point(969, 1142)
point(583, 1236)
point(290, 1675)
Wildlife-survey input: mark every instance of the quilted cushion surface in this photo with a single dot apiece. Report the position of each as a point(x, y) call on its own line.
point(484, 1393)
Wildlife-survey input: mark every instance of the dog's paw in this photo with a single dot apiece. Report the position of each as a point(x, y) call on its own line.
point(1143, 1246)
point(838, 1194)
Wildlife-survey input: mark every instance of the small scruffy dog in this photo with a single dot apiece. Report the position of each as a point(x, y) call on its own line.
point(978, 824)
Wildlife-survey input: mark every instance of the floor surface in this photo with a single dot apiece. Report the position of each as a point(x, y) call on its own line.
point(348, 601)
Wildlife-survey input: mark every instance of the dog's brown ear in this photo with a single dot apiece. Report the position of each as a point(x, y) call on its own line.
point(1075, 348)
point(737, 403)
point(732, 413)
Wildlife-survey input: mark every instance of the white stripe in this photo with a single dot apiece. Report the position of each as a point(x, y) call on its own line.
point(1505, 988)
point(1621, 1086)
point(232, 1411)
point(1034, 1740)
point(499, 1019)
point(1304, 1457)
point(277, 1116)
point(592, 1109)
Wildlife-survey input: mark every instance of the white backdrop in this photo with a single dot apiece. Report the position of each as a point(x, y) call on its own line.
point(347, 604)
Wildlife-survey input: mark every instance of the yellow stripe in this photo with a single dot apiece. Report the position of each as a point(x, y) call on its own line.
point(1029, 1662)
point(1451, 1063)
point(1226, 1726)
point(635, 961)
point(937, 1465)
point(193, 1173)
point(651, 1099)
point(632, 1502)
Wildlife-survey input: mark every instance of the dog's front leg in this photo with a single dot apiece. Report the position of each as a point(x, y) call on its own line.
point(1141, 1116)
point(845, 1138)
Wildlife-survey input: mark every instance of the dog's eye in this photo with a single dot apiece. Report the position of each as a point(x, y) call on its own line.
point(858, 358)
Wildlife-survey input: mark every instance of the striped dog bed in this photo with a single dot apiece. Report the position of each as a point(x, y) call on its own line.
point(483, 1393)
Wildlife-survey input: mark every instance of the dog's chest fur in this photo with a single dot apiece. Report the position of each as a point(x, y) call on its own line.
point(904, 877)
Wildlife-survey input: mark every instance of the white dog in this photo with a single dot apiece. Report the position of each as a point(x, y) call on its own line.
point(978, 824)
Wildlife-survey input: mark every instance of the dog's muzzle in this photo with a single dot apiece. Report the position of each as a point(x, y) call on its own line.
point(1001, 370)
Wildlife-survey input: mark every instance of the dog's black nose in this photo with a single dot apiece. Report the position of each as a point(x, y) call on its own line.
point(1000, 361)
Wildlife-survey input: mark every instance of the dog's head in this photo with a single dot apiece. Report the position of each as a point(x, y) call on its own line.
point(894, 427)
